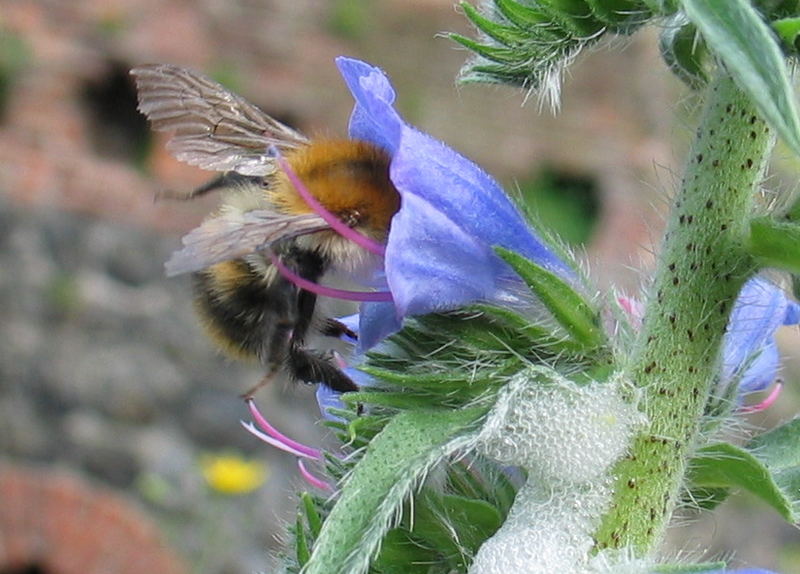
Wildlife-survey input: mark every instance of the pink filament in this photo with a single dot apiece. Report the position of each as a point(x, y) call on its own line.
point(276, 443)
point(278, 439)
point(335, 223)
point(311, 479)
point(346, 294)
point(766, 403)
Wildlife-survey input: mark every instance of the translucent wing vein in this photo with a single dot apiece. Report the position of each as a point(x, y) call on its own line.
point(213, 128)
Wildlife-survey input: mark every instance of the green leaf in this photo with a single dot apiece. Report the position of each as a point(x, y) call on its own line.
point(724, 465)
point(775, 243)
point(401, 553)
point(737, 34)
point(454, 525)
point(394, 462)
point(788, 30)
point(568, 307)
point(779, 451)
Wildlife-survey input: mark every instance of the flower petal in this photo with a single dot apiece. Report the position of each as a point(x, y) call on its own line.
point(328, 399)
point(750, 352)
point(433, 264)
point(439, 251)
point(377, 321)
point(373, 118)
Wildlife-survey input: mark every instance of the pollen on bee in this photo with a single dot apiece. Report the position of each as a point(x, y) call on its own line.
point(349, 178)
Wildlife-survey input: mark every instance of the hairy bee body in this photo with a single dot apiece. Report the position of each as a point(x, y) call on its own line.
point(249, 309)
point(245, 304)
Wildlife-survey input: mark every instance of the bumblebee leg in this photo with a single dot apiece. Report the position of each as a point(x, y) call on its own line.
point(334, 328)
point(274, 354)
point(312, 368)
point(263, 382)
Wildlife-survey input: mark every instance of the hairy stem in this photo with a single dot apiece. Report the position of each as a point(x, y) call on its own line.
point(701, 269)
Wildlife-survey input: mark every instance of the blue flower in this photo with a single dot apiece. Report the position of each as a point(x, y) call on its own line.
point(750, 354)
point(439, 251)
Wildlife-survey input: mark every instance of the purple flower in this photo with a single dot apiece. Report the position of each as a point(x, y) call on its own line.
point(439, 251)
point(750, 354)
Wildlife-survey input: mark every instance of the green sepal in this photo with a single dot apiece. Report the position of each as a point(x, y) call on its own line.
point(492, 53)
point(506, 35)
point(427, 381)
point(622, 16)
point(301, 545)
point(775, 243)
point(688, 568)
point(738, 35)
point(575, 16)
point(394, 462)
point(788, 30)
point(313, 519)
point(684, 51)
point(498, 74)
point(525, 17)
point(567, 306)
point(723, 465)
point(388, 399)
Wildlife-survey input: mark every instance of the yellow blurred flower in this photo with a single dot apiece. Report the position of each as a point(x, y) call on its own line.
point(232, 474)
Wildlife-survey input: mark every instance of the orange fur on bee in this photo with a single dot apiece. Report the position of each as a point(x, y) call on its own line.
point(350, 178)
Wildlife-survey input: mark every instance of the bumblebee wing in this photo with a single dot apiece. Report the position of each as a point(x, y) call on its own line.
point(233, 235)
point(214, 128)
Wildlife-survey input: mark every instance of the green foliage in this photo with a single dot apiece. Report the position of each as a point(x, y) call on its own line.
point(775, 243)
point(684, 51)
point(524, 43)
point(396, 459)
point(570, 309)
point(737, 34)
point(434, 381)
point(768, 468)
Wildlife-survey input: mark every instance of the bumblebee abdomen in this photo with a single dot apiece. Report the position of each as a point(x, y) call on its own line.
point(239, 308)
point(250, 311)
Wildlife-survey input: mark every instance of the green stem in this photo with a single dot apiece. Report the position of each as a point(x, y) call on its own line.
point(702, 267)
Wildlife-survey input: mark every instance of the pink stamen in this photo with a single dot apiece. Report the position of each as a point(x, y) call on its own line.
point(311, 479)
point(276, 443)
point(276, 436)
point(766, 403)
point(346, 294)
point(335, 223)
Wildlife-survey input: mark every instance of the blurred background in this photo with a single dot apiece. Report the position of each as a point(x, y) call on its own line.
point(120, 443)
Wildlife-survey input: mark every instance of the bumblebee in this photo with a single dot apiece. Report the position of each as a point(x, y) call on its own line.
point(249, 309)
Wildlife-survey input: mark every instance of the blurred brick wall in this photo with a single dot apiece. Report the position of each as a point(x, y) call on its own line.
point(53, 522)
